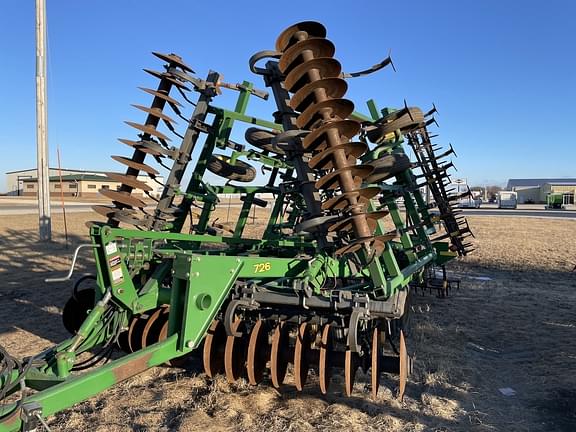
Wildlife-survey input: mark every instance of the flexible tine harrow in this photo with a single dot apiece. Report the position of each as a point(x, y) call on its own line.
point(325, 287)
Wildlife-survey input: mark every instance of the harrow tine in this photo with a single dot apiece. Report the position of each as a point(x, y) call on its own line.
point(432, 111)
point(431, 121)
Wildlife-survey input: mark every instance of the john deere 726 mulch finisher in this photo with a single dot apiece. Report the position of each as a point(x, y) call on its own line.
point(326, 285)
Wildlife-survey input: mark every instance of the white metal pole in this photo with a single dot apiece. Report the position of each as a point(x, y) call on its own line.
point(44, 220)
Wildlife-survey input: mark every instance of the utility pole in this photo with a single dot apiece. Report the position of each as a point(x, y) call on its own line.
point(45, 223)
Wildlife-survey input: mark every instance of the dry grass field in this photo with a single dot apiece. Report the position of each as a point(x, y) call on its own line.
point(511, 325)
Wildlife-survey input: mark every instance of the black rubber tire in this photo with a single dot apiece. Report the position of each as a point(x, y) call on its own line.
point(241, 171)
point(262, 139)
point(388, 166)
point(76, 309)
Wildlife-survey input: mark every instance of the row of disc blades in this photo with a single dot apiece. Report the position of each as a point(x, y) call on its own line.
point(312, 75)
point(261, 349)
point(128, 207)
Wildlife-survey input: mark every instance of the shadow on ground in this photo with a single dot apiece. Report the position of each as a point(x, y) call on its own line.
point(27, 302)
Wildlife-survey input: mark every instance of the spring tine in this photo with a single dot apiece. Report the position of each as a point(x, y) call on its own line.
point(381, 65)
point(432, 111)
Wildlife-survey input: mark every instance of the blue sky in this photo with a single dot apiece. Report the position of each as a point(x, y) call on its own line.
point(502, 74)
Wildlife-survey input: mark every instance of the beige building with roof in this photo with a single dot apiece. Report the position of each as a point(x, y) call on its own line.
point(83, 185)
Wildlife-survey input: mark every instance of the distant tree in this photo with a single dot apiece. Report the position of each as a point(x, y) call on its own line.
point(492, 191)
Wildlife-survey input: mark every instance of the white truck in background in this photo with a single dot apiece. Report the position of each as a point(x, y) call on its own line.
point(473, 201)
point(507, 199)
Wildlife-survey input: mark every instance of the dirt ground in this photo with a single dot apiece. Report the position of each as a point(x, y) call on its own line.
point(512, 325)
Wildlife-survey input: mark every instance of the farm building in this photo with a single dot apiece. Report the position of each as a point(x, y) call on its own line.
point(536, 190)
point(77, 183)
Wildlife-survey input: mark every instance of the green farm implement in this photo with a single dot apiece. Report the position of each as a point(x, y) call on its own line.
point(325, 286)
point(554, 201)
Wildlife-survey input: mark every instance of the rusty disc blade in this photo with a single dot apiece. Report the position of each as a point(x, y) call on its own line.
point(347, 224)
point(135, 332)
point(312, 28)
point(376, 244)
point(235, 353)
point(302, 350)
point(129, 181)
point(123, 198)
point(328, 110)
point(161, 95)
point(148, 129)
point(279, 357)
point(151, 331)
point(319, 47)
point(136, 165)
point(149, 147)
point(342, 201)
point(179, 361)
point(324, 159)
point(375, 361)
point(167, 77)
point(105, 210)
point(334, 88)
point(175, 82)
point(174, 60)
point(316, 140)
point(155, 112)
point(350, 367)
point(258, 350)
point(326, 67)
point(123, 217)
point(325, 363)
point(404, 366)
point(349, 248)
point(214, 345)
point(332, 180)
